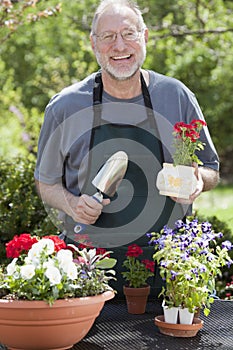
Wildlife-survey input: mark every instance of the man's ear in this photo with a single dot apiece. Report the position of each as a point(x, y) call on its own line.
point(92, 43)
point(146, 35)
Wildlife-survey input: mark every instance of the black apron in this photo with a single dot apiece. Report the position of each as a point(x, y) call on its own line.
point(139, 198)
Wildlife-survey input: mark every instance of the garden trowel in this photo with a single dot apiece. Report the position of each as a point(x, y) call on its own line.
point(108, 179)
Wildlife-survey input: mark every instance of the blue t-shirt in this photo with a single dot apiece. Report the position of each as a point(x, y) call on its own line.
point(65, 135)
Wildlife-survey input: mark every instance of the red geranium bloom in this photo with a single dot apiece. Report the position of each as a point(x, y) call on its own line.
point(137, 271)
point(58, 243)
point(19, 244)
point(150, 265)
point(134, 250)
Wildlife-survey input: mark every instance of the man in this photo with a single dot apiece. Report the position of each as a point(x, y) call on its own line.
point(122, 107)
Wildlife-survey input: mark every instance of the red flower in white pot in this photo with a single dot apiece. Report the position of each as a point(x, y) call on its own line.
point(179, 179)
point(187, 142)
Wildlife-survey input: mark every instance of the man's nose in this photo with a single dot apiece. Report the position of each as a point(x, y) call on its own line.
point(119, 42)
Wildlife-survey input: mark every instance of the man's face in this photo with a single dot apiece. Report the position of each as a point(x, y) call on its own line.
point(119, 57)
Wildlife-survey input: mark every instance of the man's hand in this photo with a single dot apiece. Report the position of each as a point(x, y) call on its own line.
point(85, 209)
point(199, 188)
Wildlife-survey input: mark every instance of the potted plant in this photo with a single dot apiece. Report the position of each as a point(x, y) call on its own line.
point(179, 179)
point(189, 260)
point(136, 275)
point(51, 287)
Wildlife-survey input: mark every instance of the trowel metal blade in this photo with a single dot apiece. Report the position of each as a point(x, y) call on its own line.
point(110, 175)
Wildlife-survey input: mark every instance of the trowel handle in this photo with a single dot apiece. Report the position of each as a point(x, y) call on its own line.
point(98, 197)
point(79, 228)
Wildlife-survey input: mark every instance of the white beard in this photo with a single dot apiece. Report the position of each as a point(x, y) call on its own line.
point(117, 73)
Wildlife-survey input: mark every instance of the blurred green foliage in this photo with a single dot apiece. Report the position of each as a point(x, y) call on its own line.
point(21, 209)
point(190, 40)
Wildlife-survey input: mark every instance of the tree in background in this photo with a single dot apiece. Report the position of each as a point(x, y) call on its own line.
point(191, 40)
point(14, 13)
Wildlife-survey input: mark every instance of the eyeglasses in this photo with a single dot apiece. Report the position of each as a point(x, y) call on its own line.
point(126, 34)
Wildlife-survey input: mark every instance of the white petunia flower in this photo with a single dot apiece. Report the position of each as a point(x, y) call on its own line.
point(48, 263)
point(27, 271)
point(71, 271)
point(53, 274)
point(11, 267)
point(44, 244)
point(64, 257)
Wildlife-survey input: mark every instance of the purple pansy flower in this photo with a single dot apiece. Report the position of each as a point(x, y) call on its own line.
point(227, 245)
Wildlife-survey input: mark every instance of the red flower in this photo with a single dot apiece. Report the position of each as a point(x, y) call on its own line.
point(19, 244)
point(179, 127)
point(100, 251)
point(134, 250)
point(58, 243)
point(150, 265)
point(197, 123)
point(192, 135)
point(137, 271)
point(186, 142)
point(85, 245)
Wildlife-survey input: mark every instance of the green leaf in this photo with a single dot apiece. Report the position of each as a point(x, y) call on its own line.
point(106, 263)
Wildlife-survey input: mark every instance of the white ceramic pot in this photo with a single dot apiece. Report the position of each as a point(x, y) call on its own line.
point(170, 314)
point(185, 316)
point(176, 181)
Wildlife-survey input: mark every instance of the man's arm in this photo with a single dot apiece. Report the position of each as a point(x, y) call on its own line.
point(84, 209)
point(207, 179)
point(210, 178)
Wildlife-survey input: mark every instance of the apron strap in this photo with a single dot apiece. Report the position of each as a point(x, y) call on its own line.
point(97, 99)
point(150, 113)
point(148, 103)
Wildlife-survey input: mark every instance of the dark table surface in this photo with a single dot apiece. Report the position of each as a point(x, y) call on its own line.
point(115, 329)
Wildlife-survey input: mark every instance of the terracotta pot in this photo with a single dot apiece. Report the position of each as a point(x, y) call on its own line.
point(178, 330)
point(176, 181)
point(34, 325)
point(136, 299)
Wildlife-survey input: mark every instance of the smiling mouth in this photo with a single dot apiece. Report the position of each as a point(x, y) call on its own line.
point(118, 58)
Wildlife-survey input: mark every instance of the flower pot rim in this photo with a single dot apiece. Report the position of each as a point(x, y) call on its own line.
point(177, 329)
point(93, 299)
point(147, 286)
point(197, 323)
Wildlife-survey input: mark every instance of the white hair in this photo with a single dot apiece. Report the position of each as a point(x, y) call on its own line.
point(104, 4)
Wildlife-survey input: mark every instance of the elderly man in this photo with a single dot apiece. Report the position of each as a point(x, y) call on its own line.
point(120, 107)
